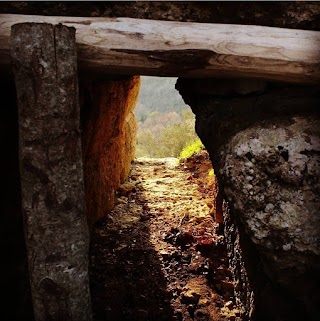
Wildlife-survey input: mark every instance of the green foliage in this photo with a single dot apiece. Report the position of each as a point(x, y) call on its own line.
point(191, 149)
point(165, 123)
point(166, 141)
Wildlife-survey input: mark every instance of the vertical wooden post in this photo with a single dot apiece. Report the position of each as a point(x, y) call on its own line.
point(45, 69)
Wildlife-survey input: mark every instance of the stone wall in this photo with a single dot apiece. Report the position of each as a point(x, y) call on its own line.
point(263, 139)
point(108, 139)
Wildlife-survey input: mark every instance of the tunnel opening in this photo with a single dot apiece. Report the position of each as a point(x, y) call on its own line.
point(93, 96)
point(165, 124)
point(229, 115)
point(160, 254)
point(228, 101)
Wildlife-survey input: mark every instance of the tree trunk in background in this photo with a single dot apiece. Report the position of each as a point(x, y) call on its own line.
point(45, 68)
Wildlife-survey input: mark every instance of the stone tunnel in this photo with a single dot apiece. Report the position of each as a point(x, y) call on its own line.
point(263, 139)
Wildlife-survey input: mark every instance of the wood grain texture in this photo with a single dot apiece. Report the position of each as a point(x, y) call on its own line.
point(53, 202)
point(185, 49)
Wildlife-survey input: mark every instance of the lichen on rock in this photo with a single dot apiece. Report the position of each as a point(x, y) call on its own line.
point(263, 139)
point(271, 175)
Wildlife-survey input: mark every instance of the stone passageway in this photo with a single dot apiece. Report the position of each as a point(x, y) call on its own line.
point(159, 254)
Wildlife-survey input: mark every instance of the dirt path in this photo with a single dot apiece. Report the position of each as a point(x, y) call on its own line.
point(159, 255)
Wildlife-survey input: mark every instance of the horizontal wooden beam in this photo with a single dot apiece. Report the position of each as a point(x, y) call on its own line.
point(185, 49)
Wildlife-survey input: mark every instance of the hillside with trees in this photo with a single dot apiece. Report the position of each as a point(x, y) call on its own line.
point(165, 122)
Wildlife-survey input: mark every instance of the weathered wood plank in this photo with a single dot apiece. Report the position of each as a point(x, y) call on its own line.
point(163, 48)
point(45, 68)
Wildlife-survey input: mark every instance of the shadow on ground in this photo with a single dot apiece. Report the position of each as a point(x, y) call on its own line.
point(127, 282)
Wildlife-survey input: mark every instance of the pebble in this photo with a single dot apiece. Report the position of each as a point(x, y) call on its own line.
point(229, 304)
point(122, 200)
point(126, 188)
point(190, 297)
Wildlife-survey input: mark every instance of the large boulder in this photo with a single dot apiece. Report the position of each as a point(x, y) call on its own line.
point(271, 176)
point(263, 139)
point(108, 139)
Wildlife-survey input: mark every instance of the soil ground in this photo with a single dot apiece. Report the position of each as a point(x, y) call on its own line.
point(159, 255)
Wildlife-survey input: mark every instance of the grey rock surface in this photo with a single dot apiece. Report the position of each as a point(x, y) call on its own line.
point(271, 175)
point(263, 140)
